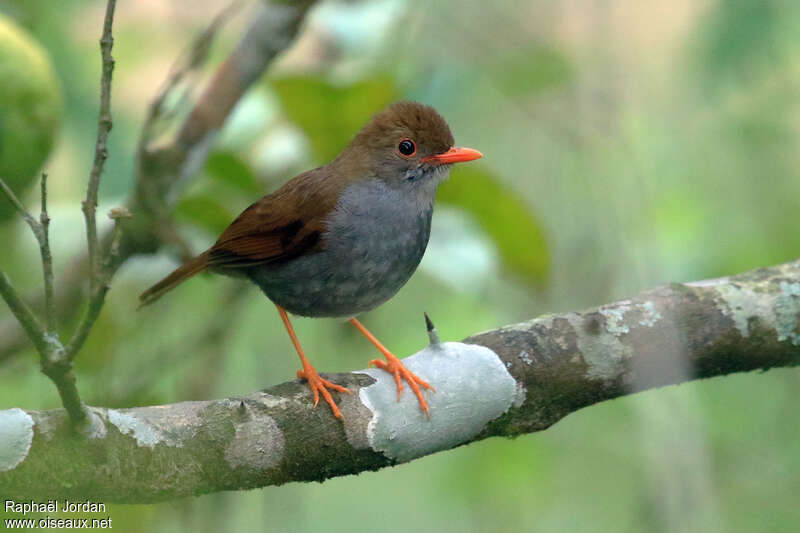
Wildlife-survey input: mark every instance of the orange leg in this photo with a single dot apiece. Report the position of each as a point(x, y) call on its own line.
point(394, 366)
point(309, 373)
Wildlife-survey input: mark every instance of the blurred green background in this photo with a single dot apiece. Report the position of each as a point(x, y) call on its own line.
point(627, 144)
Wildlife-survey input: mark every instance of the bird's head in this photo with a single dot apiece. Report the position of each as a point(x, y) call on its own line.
point(407, 145)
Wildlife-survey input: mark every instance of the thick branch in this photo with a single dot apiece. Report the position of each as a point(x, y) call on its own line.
point(531, 375)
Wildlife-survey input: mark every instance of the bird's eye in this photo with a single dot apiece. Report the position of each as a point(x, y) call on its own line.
point(407, 148)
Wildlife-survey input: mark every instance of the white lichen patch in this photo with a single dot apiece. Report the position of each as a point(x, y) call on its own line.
point(615, 317)
point(787, 319)
point(742, 303)
point(173, 424)
point(548, 323)
point(96, 425)
point(650, 315)
point(472, 385)
point(746, 302)
point(127, 424)
point(603, 352)
point(258, 443)
point(269, 401)
point(790, 289)
point(16, 437)
point(526, 357)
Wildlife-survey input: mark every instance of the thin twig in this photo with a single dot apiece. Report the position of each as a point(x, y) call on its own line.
point(47, 262)
point(96, 300)
point(23, 313)
point(52, 356)
point(117, 214)
point(40, 230)
point(29, 219)
point(54, 365)
point(98, 277)
point(104, 125)
point(98, 292)
point(45, 339)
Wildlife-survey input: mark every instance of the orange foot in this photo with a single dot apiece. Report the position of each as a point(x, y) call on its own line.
point(319, 385)
point(393, 365)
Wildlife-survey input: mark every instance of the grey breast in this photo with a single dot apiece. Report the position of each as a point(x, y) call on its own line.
point(375, 239)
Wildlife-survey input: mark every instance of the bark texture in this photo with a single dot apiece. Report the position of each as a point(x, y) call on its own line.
point(513, 380)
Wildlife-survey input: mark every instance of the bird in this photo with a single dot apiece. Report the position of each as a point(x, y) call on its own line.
point(343, 238)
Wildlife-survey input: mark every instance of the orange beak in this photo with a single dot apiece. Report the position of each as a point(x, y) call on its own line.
point(453, 155)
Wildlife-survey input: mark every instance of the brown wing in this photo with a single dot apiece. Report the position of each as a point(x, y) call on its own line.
point(281, 226)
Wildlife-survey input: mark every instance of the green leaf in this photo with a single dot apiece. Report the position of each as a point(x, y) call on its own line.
point(331, 115)
point(511, 225)
point(228, 168)
point(206, 210)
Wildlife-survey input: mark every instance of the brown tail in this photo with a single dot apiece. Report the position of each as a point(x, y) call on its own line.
point(181, 274)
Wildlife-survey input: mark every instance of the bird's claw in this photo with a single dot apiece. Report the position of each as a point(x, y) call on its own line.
point(319, 385)
point(394, 366)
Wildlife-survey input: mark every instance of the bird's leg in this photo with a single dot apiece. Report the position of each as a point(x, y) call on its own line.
point(309, 373)
point(394, 366)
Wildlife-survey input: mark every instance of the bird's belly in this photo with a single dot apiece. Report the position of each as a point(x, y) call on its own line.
point(357, 270)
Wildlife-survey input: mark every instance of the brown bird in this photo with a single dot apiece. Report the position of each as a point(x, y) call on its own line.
point(345, 237)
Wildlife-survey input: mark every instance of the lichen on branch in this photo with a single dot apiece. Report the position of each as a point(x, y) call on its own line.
point(509, 381)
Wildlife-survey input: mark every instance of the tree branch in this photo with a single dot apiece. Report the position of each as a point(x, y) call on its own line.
point(33, 328)
point(27, 217)
point(45, 339)
point(40, 230)
point(47, 261)
point(54, 362)
point(104, 275)
point(99, 276)
point(104, 125)
point(531, 375)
